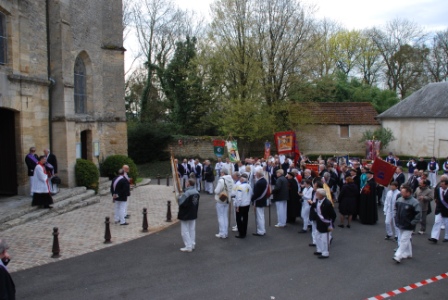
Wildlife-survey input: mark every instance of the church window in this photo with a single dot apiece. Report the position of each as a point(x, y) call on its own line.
point(3, 39)
point(80, 86)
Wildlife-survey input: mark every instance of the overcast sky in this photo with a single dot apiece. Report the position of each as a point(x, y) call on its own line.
point(360, 14)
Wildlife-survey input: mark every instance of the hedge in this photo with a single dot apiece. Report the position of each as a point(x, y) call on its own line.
point(111, 165)
point(147, 143)
point(87, 174)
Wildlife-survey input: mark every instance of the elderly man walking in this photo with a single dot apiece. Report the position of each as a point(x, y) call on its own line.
point(281, 197)
point(223, 187)
point(188, 213)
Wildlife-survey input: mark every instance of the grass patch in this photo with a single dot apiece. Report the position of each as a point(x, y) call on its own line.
point(152, 169)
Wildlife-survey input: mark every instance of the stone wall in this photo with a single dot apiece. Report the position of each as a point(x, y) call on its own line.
point(325, 139)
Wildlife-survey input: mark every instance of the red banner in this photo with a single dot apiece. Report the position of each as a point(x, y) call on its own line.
point(285, 142)
point(383, 171)
point(219, 143)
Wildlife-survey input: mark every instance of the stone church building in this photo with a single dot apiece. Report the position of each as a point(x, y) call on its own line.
point(61, 85)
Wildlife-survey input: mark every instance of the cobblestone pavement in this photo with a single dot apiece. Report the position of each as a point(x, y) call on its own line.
point(82, 231)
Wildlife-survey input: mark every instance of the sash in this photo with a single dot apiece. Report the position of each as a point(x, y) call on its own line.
point(319, 214)
point(442, 200)
point(33, 158)
point(116, 182)
point(264, 193)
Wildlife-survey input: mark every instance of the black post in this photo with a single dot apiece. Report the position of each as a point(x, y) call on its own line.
point(107, 236)
point(158, 179)
point(168, 212)
point(55, 249)
point(145, 220)
point(167, 180)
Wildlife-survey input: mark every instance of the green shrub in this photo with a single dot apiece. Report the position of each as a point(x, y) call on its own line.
point(87, 174)
point(111, 165)
point(147, 143)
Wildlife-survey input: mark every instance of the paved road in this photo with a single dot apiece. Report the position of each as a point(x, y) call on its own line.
point(280, 265)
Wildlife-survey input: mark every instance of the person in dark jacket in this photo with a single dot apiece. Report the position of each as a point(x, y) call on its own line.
point(259, 201)
point(7, 287)
point(120, 190)
point(188, 213)
point(281, 196)
point(368, 210)
point(293, 205)
point(31, 161)
point(209, 177)
point(347, 201)
point(441, 211)
point(324, 222)
point(422, 164)
point(407, 216)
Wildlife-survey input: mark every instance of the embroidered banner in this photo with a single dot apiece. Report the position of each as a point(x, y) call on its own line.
point(383, 171)
point(232, 148)
point(373, 148)
point(218, 147)
point(267, 150)
point(284, 142)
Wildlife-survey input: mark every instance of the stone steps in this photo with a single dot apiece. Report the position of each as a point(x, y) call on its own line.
point(66, 200)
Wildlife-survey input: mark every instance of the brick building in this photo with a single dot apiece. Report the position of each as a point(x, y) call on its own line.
point(61, 84)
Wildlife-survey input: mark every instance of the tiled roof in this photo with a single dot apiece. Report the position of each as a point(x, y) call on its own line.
point(340, 113)
point(431, 101)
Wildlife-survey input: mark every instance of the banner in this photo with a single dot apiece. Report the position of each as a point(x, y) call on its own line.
point(267, 150)
point(284, 142)
point(232, 148)
point(176, 179)
point(383, 171)
point(342, 160)
point(218, 147)
point(296, 150)
point(373, 148)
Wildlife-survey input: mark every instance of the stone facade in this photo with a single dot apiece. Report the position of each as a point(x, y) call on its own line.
point(37, 81)
point(326, 139)
point(418, 137)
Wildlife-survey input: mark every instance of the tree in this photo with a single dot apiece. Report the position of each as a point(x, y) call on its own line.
point(369, 60)
point(393, 43)
point(347, 49)
point(436, 58)
point(385, 135)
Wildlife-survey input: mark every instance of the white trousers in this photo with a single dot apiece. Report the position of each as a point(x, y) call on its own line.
point(188, 232)
point(314, 232)
point(259, 214)
point(305, 214)
point(120, 207)
point(184, 181)
point(281, 212)
point(322, 240)
point(405, 247)
point(222, 210)
point(31, 184)
point(390, 222)
point(438, 222)
point(209, 187)
point(198, 183)
point(433, 178)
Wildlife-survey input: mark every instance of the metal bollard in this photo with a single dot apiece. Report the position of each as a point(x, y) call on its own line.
point(158, 179)
point(168, 212)
point(145, 220)
point(167, 180)
point(55, 249)
point(107, 236)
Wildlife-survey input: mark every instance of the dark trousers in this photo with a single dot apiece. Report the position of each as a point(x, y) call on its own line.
point(242, 216)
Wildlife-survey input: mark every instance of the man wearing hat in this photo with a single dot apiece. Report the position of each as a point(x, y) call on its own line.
point(368, 210)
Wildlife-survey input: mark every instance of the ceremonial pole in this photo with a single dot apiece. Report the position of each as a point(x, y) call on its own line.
point(176, 180)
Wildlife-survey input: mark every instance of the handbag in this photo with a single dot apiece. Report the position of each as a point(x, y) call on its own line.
point(224, 196)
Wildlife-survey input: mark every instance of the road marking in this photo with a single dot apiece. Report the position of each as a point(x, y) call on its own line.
point(409, 287)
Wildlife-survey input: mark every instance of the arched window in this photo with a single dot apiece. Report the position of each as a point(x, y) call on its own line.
point(80, 86)
point(3, 39)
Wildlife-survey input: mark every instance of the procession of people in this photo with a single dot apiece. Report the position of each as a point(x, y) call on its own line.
point(314, 196)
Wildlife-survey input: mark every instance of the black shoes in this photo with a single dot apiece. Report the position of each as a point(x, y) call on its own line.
point(312, 245)
point(433, 240)
point(240, 236)
point(257, 234)
point(125, 224)
point(303, 231)
point(341, 226)
point(317, 253)
point(321, 256)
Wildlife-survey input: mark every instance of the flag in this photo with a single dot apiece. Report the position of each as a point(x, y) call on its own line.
point(232, 148)
point(284, 142)
point(383, 171)
point(373, 148)
point(267, 150)
point(296, 150)
point(218, 147)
